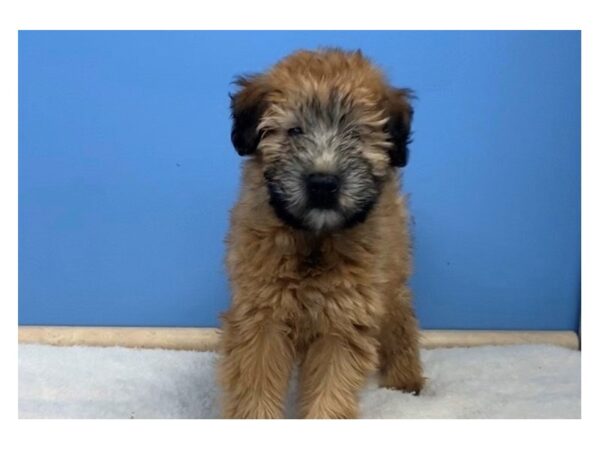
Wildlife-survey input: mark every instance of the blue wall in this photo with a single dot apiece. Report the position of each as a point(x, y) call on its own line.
point(126, 172)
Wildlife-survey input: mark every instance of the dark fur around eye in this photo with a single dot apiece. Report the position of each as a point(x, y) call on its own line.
point(296, 131)
point(263, 133)
point(355, 134)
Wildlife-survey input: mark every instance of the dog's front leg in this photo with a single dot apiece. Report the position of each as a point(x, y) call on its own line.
point(331, 374)
point(256, 364)
point(400, 363)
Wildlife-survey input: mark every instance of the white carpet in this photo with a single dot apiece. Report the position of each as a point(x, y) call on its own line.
point(529, 381)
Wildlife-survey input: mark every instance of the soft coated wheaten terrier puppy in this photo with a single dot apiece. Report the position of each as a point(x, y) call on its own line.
point(318, 249)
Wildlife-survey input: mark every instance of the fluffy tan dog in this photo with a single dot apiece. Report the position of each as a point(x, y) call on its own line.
point(319, 250)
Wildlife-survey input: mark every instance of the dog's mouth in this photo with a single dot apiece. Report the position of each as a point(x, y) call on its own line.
point(318, 218)
point(324, 219)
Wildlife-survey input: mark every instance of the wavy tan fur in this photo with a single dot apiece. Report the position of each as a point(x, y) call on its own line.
point(324, 291)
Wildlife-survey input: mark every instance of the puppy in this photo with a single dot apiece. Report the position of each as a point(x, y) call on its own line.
point(318, 248)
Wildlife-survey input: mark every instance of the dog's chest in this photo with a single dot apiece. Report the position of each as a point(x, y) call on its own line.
point(329, 292)
point(312, 263)
point(316, 285)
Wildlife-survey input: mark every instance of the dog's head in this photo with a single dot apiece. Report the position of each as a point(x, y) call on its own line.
point(326, 129)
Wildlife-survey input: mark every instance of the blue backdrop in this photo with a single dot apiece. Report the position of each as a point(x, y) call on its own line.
point(126, 172)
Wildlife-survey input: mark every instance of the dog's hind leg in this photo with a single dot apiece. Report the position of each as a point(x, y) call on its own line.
point(399, 360)
point(257, 361)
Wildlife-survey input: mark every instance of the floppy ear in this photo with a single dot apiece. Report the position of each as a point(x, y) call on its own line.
point(399, 125)
point(247, 107)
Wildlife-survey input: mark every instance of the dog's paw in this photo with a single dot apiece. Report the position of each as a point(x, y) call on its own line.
point(414, 386)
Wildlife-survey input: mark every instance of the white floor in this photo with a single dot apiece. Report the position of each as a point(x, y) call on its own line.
point(527, 381)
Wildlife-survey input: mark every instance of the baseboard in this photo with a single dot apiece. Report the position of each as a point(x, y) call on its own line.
point(206, 339)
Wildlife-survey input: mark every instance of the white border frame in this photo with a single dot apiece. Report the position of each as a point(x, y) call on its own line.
point(308, 14)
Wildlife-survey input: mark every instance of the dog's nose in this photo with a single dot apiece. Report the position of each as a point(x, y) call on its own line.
point(322, 189)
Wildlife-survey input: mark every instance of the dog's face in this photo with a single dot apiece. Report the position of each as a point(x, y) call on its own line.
point(327, 130)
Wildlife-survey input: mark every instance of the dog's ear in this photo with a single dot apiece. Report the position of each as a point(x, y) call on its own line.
point(247, 108)
point(399, 124)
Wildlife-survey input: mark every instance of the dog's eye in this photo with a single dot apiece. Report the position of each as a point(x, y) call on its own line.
point(295, 131)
